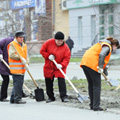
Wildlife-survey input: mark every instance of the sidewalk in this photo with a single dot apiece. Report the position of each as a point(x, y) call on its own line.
point(57, 110)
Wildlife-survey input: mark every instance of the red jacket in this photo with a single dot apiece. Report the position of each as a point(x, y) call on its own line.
point(62, 56)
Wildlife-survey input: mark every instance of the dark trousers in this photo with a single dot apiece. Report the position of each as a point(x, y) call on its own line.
point(4, 86)
point(17, 87)
point(49, 88)
point(94, 86)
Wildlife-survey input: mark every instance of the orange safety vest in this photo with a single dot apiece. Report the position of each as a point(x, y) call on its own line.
point(17, 67)
point(91, 56)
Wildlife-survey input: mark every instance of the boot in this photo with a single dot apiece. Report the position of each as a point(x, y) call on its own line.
point(4, 100)
point(100, 109)
point(24, 95)
point(65, 99)
point(50, 100)
point(20, 101)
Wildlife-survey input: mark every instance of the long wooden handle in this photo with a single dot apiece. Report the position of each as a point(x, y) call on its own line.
point(25, 66)
point(66, 77)
point(105, 76)
point(5, 63)
point(26, 88)
point(32, 78)
point(118, 87)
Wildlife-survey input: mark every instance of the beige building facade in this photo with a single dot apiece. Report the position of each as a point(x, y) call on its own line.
point(60, 18)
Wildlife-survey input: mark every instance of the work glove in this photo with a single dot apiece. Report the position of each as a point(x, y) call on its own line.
point(100, 71)
point(51, 57)
point(105, 71)
point(23, 60)
point(26, 66)
point(59, 66)
point(1, 56)
point(108, 77)
point(28, 61)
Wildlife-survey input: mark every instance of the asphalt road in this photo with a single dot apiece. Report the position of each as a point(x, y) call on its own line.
point(73, 71)
point(33, 110)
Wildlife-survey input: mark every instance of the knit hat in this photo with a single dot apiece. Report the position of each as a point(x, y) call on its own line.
point(59, 36)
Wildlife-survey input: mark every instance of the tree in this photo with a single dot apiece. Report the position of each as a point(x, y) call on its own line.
point(25, 19)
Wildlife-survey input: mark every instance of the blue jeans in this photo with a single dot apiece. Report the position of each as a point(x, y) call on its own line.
point(16, 94)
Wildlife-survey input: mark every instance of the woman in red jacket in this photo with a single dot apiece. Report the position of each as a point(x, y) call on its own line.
point(55, 49)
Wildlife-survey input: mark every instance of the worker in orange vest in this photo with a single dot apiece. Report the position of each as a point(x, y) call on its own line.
point(17, 67)
point(98, 55)
point(4, 71)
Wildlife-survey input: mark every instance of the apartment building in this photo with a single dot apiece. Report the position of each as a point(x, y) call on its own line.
point(93, 20)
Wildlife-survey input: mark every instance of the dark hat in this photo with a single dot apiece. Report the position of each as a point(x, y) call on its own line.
point(59, 36)
point(19, 34)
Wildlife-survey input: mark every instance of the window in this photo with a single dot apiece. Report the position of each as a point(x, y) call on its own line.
point(101, 20)
point(53, 12)
point(106, 20)
point(110, 19)
point(101, 31)
point(102, 9)
point(34, 29)
point(111, 30)
point(17, 16)
point(80, 38)
point(110, 8)
point(33, 15)
point(93, 27)
point(34, 25)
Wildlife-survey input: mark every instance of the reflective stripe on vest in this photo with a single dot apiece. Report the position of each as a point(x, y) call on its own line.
point(17, 68)
point(16, 64)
